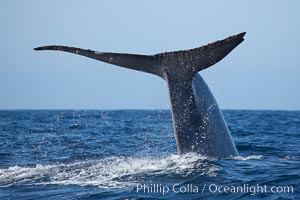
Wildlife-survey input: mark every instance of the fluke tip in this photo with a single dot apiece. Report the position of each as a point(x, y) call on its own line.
point(38, 48)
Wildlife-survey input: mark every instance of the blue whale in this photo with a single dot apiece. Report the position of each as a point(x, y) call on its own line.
point(198, 122)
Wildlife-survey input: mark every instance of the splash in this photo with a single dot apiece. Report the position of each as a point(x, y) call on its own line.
point(112, 172)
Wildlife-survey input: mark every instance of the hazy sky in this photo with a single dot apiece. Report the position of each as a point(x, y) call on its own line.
point(261, 73)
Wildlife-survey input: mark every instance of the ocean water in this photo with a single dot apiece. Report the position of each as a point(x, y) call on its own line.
point(131, 154)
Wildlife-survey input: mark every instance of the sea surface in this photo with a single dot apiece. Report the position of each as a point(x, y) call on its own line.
point(131, 154)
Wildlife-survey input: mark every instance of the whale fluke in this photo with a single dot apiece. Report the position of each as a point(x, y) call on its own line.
point(203, 57)
point(196, 59)
point(198, 122)
point(131, 61)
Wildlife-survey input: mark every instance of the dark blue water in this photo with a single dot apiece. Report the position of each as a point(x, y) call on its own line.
point(132, 155)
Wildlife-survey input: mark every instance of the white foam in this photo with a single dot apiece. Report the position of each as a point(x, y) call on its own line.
point(113, 172)
point(251, 157)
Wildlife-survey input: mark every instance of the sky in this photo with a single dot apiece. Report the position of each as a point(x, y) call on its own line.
point(261, 73)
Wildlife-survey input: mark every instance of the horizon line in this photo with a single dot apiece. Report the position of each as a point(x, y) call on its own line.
point(132, 109)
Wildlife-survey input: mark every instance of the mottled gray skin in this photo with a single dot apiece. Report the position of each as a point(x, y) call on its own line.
point(198, 122)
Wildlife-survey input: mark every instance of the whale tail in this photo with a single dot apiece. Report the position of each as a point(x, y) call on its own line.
point(193, 60)
point(179, 69)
